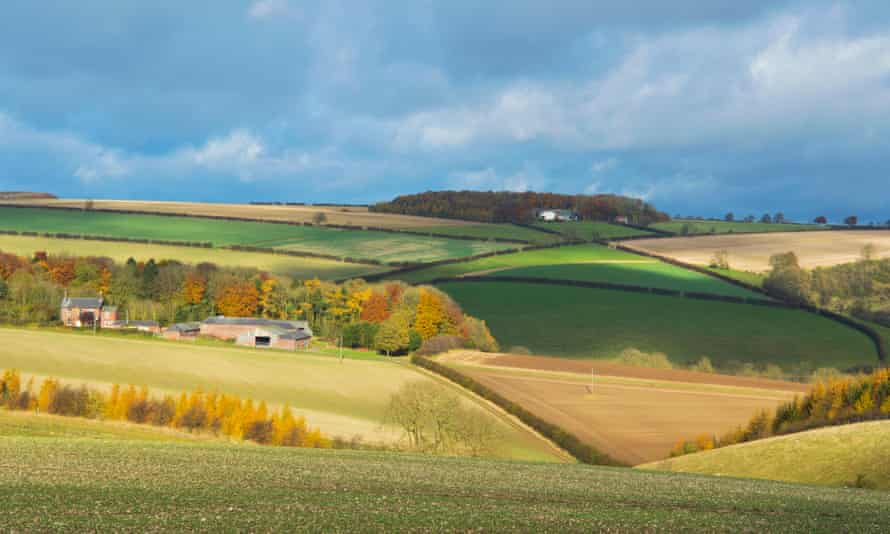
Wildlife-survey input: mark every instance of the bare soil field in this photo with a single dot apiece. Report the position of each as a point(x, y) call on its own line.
point(751, 252)
point(631, 413)
point(342, 215)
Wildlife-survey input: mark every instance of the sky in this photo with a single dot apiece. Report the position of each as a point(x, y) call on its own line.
point(700, 107)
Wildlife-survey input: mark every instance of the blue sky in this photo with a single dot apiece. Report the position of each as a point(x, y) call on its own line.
point(698, 107)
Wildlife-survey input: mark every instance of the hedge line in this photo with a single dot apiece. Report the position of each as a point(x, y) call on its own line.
point(880, 346)
point(566, 440)
point(617, 287)
point(88, 237)
point(271, 221)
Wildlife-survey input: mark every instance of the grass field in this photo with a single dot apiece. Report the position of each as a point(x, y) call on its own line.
point(724, 227)
point(382, 246)
point(832, 456)
point(591, 323)
point(632, 414)
point(752, 252)
point(343, 399)
point(94, 485)
point(294, 267)
point(350, 216)
point(593, 229)
point(488, 231)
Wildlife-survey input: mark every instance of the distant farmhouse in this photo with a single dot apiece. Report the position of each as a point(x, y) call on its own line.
point(246, 331)
point(92, 312)
point(556, 215)
point(621, 219)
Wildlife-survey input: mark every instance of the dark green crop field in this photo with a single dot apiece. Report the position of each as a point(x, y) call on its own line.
point(593, 230)
point(593, 323)
point(382, 246)
point(695, 227)
point(78, 485)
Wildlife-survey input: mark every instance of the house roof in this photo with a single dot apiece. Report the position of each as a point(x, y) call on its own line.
point(82, 302)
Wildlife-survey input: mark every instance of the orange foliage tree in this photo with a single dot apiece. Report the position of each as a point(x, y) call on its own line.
point(376, 309)
point(193, 288)
point(238, 299)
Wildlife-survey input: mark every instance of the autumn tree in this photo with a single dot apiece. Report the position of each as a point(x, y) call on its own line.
point(238, 298)
point(376, 309)
point(392, 336)
point(430, 315)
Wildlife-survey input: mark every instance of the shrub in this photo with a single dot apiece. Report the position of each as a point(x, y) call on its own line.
point(638, 358)
point(703, 365)
point(440, 344)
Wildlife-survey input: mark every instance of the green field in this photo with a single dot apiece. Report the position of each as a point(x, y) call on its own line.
point(592, 323)
point(494, 230)
point(652, 274)
point(65, 484)
point(343, 399)
point(294, 267)
point(383, 246)
point(723, 227)
point(832, 456)
point(588, 230)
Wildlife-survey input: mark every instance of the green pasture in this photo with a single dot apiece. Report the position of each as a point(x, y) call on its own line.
point(382, 246)
point(298, 268)
point(652, 273)
point(525, 258)
point(592, 323)
point(79, 485)
point(494, 230)
point(342, 398)
point(696, 227)
point(589, 230)
point(832, 456)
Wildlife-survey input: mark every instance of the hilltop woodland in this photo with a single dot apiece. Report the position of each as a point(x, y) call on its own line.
point(392, 318)
point(833, 402)
point(861, 289)
point(505, 206)
point(225, 415)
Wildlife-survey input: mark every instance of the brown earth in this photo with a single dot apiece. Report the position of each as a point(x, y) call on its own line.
point(343, 215)
point(634, 414)
point(751, 252)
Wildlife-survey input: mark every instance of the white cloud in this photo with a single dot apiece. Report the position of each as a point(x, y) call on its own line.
point(267, 9)
point(526, 179)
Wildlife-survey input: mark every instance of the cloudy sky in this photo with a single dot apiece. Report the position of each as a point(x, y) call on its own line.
point(697, 106)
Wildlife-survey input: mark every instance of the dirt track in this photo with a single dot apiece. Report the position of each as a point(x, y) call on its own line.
point(634, 414)
point(751, 252)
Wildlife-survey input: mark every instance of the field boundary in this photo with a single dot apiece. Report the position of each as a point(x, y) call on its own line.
point(270, 221)
point(872, 334)
point(696, 295)
point(565, 440)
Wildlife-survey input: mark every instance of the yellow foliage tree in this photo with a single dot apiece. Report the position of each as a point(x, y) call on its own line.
point(430, 314)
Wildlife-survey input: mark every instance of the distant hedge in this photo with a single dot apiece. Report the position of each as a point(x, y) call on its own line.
point(566, 440)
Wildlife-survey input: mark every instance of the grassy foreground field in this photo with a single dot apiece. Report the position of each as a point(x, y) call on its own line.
point(592, 323)
point(87, 484)
point(294, 267)
point(752, 252)
point(381, 246)
point(343, 399)
point(632, 414)
point(832, 456)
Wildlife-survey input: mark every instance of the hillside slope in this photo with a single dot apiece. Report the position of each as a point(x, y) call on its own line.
point(832, 456)
point(87, 484)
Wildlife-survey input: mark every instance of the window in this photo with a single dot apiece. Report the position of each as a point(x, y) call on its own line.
point(262, 341)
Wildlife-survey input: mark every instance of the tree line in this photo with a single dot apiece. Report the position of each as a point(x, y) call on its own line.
point(833, 402)
point(390, 317)
point(506, 206)
point(218, 414)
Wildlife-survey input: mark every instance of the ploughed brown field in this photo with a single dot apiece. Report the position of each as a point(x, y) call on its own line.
point(633, 414)
point(751, 252)
point(344, 215)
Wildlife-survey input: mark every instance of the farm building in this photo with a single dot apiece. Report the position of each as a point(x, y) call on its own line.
point(556, 215)
point(181, 331)
point(85, 312)
point(142, 326)
point(255, 332)
point(621, 219)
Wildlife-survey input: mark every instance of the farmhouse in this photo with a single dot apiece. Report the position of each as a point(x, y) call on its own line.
point(620, 219)
point(87, 312)
point(255, 332)
point(556, 215)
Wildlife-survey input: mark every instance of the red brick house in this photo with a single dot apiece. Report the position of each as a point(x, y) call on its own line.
point(87, 312)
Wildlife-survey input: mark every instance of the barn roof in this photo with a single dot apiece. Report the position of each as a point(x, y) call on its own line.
point(259, 322)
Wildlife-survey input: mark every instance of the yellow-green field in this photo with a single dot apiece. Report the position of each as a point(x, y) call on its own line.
point(294, 267)
point(833, 456)
point(343, 399)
